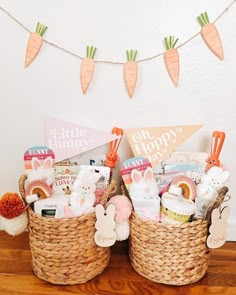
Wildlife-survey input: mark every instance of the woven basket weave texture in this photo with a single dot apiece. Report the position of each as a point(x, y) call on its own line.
point(171, 254)
point(63, 250)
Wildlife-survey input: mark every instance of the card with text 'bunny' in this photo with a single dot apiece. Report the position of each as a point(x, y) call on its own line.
point(138, 163)
point(39, 164)
point(38, 154)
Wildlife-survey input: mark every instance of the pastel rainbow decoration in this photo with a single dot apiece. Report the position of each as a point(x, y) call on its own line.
point(40, 188)
point(188, 186)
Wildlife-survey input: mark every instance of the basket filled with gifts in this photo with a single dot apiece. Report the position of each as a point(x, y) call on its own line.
point(70, 206)
point(61, 211)
point(179, 214)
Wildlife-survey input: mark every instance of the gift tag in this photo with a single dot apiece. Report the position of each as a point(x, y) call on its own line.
point(105, 235)
point(218, 228)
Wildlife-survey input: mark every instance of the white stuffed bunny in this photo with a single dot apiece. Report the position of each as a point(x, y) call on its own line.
point(83, 197)
point(143, 187)
point(212, 182)
point(105, 235)
point(143, 191)
point(41, 170)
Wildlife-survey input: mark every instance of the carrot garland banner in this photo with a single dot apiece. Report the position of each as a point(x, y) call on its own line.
point(171, 59)
point(87, 68)
point(208, 32)
point(34, 44)
point(210, 35)
point(131, 71)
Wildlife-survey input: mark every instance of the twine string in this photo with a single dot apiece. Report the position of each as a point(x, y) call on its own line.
point(110, 61)
point(226, 198)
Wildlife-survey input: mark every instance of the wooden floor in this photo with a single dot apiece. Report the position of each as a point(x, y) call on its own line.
point(16, 276)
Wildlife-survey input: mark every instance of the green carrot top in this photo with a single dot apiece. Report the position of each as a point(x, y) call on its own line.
point(90, 52)
point(41, 29)
point(203, 19)
point(170, 42)
point(131, 55)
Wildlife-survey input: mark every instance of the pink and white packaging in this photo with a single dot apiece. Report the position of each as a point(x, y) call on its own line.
point(147, 208)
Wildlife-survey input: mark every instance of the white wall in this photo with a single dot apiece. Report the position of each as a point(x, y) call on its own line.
point(51, 85)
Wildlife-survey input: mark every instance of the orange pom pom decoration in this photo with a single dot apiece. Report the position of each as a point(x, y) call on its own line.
point(11, 205)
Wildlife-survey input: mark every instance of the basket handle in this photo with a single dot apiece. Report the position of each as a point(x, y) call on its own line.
point(110, 190)
point(112, 187)
point(219, 200)
point(21, 185)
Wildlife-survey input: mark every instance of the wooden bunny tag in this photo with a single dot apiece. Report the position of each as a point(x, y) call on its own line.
point(218, 228)
point(105, 236)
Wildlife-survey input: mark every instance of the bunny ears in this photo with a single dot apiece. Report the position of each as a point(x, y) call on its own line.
point(111, 156)
point(46, 164)
point(101, 212)
point(136, 176)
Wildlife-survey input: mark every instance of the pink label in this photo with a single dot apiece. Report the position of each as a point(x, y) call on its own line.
point(67, 139)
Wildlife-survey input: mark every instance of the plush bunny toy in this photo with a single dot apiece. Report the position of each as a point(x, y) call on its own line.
point(83, 197)
point(41, 171)
point(143, 187)
point(143, 191)
point(212, 182)
point(39, 180)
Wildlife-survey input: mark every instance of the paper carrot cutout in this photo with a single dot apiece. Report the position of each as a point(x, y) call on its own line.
point(171, 59)
point(34, 44)
point(131, 71)
point(210, 35)
point(87, 68)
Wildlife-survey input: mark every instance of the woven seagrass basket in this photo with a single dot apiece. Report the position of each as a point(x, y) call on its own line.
point(63, 250)
point(171, 254)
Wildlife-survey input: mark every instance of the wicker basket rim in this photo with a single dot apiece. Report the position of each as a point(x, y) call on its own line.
point(168, 225)
point(61, 220)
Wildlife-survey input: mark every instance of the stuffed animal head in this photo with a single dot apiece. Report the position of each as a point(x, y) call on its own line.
point(215, 178)
point(41, 170)
point(143, 186)
point(85, 184)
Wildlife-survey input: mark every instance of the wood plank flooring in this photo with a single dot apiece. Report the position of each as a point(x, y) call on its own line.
point(16, 276)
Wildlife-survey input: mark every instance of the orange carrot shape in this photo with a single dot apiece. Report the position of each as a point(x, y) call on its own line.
point(87, 68)
point(34, 44)
point(171, 59)
point(131, 71)
point(210, 35)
